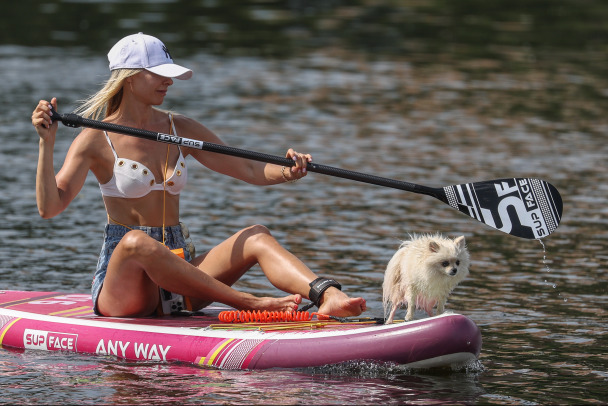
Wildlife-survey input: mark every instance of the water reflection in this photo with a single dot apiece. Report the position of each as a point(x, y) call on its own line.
point(120, 382)
point(445, 99)
point(480, 34)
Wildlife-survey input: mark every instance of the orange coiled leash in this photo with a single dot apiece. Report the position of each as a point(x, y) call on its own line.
point(257, 316)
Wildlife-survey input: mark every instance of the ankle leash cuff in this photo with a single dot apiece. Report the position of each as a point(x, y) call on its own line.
point(318, 286)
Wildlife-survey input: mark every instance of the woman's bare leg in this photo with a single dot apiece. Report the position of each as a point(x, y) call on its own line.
point(228, 261)
point(140, 264)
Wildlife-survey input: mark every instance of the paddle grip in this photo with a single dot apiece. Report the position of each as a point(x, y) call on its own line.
point(76, 121)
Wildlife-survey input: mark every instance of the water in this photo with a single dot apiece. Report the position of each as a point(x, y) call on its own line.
point(484, 107)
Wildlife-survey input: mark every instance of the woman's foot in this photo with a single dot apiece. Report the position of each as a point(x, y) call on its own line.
point(334, 302)
point(284, 304)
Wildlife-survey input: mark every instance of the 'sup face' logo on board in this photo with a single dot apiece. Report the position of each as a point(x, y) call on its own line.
point(49, 341)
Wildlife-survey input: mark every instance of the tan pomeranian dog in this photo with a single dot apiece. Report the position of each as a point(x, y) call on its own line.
point(423, 272)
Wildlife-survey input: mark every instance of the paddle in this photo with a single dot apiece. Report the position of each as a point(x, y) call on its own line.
point(522, 207)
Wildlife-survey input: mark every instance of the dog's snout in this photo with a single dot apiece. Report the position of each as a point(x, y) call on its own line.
point(453, 271)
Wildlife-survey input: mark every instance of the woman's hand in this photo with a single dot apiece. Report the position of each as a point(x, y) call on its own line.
point(299, 170)
point(41, 120)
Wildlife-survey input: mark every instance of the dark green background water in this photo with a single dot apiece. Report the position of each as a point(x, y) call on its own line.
point(431, 92)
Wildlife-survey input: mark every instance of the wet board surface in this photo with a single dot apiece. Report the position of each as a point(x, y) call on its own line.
point(55, 321)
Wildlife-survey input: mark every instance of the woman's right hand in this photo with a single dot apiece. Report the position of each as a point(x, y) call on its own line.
point(41, 120)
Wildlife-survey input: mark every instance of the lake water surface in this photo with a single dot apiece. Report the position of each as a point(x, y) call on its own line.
point(429, 118)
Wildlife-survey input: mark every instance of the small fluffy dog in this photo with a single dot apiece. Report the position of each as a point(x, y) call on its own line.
point(423, 272)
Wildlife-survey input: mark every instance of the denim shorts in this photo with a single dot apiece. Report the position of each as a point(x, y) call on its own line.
point(113, 234)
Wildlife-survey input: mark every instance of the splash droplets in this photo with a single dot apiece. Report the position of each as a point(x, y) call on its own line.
point(548, 269)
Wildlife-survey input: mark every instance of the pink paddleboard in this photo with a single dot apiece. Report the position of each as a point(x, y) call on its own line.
point(54, 321)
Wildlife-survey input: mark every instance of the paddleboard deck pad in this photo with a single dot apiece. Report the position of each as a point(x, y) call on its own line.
point(54, 321)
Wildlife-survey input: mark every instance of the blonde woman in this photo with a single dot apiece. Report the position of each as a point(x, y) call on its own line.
point(143, 270)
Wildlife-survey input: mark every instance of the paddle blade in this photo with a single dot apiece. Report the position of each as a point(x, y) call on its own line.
point(523, 207)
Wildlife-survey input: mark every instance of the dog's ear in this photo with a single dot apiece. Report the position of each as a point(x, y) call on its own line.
point(433, 246)
point(460, 242)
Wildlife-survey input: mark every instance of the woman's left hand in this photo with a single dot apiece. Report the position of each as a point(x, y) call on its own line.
point(299, 170)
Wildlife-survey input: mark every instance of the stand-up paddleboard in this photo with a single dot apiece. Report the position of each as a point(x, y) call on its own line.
point(54, 321)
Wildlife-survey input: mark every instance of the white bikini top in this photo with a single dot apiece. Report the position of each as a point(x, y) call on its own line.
point(132, 179)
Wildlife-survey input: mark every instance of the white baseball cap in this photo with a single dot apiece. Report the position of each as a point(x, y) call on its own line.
point(141, 51)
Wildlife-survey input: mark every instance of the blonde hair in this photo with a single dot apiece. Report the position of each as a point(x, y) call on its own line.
point(107, 100)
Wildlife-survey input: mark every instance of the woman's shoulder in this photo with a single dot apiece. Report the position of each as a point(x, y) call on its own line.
point(190, 128)
point(89, 139)
point(90, 135)
point(181, 119)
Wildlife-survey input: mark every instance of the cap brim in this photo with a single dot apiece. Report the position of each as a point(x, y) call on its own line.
point(171, 70)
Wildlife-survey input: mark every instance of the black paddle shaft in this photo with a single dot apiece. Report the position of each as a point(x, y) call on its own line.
point(75, 121)
point(523, 207)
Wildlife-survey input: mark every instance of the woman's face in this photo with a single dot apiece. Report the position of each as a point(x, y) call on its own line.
point(148, 87)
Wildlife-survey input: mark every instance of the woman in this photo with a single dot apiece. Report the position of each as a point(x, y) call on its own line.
point(140, 181)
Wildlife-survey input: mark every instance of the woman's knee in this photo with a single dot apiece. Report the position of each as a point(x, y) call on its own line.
point(137, 242)
point(258, 234)
point(255, 238)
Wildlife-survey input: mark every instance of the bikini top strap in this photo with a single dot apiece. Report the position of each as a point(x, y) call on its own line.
point(173, 131)
point(111, 146)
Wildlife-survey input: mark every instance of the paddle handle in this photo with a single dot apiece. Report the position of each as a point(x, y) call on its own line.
point(75, 121)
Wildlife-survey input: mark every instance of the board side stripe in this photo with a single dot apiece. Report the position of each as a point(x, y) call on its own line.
point(77, 309)
point(238, 354)
point(6, 328)
point(217, 350)
point(27, 300)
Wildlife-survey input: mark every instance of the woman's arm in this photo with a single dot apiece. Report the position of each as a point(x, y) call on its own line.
point(54, 193)
point(247, 170)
